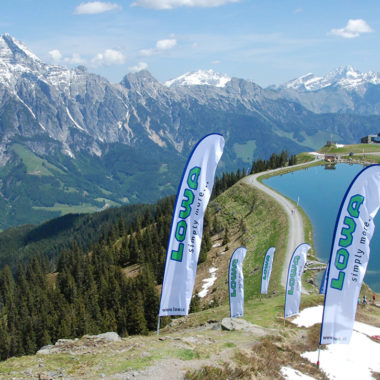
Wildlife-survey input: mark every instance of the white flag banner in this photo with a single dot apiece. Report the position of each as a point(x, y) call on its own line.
point(187, 226)
point(293, 283)
point(267, 270)
point(349, 255)
point(236, 282)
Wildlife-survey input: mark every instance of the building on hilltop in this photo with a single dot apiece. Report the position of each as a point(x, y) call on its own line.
point(371, 139)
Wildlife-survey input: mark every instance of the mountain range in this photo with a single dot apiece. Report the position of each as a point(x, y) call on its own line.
point(72, 141)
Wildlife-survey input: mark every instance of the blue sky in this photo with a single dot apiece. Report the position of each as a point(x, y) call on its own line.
point(268, 41)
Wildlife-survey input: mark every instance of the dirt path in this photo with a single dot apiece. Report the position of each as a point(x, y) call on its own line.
point(296, 232)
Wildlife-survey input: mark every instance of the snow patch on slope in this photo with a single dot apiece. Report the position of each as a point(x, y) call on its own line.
point(208, 282)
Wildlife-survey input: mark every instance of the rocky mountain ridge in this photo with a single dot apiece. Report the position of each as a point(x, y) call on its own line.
point(343, 90)
point(72, 133)
point(346, 77)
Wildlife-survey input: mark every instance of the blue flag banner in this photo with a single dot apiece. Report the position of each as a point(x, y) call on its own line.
point(293, 283)
point(267, 270)
point(236, 282)
point(322, 289)
point(349, 255)
point(187, 226)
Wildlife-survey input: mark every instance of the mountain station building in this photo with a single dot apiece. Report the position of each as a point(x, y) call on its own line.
point(371, 139)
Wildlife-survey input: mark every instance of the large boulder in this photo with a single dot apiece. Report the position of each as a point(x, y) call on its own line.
point(239, 324)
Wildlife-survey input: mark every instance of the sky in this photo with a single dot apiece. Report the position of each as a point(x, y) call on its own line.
point(267, 41)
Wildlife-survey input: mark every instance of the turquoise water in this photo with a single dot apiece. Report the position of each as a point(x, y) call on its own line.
point(320, 192)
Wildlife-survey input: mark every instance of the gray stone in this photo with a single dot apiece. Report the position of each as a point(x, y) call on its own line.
point(238, 324)
point(45, 350)
point(62, 342)
point(108, 336)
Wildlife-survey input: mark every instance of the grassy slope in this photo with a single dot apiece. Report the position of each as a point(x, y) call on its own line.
point(355, 148)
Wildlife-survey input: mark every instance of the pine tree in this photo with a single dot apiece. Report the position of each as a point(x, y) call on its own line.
point(150, 297)
point(5, 341)
point(136, 323)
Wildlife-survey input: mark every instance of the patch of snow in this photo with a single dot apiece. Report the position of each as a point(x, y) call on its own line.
point(339, 145)
point(29, 109)
point(309, 317)
point(217, 244)
point(22, 47)
point(208, 282)
point(344, 361)
point(72, 119)
point(293, 374)
point(356, 360)
point(365, 329)
point(66, 150)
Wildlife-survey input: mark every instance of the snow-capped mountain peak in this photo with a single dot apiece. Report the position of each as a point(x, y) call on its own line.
point(12, 49)
point(200, 77)
point(15, 60)
point(346, 77)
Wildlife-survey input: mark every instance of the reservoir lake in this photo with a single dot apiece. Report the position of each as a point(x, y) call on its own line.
point(320, 192)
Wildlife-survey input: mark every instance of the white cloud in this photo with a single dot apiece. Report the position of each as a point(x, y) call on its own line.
point(161, 46)
point(140, 66)
point(353, 29)
point(298, 10)
point(95, 7)
point(75, 59)
point(56, 55)
point(108, 58)
point(171, 4)
point(166, 44)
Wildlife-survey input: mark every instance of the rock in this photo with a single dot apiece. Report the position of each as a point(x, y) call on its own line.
point(62, 342)
point(44, 376)
point(108, 336)
point(45, 350)
point(190, 340)
point(238, 324)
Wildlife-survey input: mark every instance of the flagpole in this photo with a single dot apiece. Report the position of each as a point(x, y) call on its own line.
point(319, 353)
point(158, 326)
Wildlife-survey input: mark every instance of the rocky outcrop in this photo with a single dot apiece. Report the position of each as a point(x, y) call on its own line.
point(83, 345)
point(239, 324)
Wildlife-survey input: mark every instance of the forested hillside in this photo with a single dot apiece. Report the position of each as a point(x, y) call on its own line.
point(88, 274)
